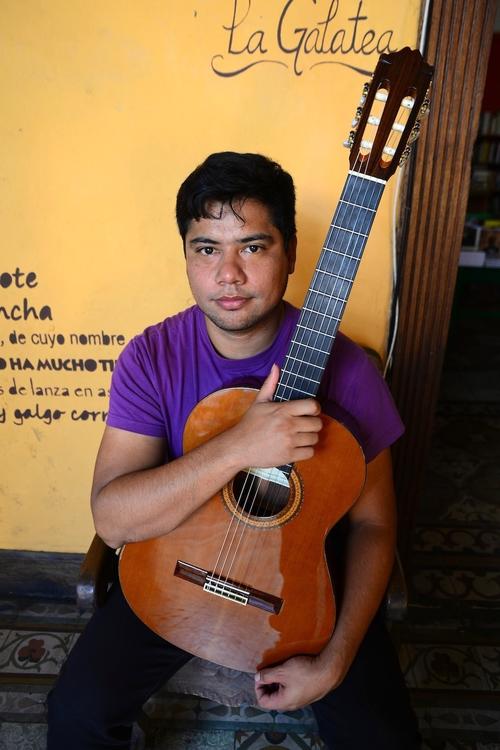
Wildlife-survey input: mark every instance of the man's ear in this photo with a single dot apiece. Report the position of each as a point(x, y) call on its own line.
point(292, 253)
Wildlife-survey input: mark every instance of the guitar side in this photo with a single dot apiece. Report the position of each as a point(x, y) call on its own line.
point(276, 561)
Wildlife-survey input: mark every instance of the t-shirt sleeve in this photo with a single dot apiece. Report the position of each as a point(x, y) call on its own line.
point(134, 402)
point(377, 415)
point(366, 404)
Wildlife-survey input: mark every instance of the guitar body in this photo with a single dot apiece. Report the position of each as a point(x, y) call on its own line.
point(271, 555)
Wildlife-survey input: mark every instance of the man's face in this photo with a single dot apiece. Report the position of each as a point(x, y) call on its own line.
point(237, 266)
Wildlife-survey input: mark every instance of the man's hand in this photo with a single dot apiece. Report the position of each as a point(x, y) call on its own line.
point(272, 433)
point(294, 684)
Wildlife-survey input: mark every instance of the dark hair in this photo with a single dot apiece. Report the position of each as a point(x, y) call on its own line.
point(227, 177)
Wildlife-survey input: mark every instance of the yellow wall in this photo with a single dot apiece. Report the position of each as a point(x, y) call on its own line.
point(105, 108)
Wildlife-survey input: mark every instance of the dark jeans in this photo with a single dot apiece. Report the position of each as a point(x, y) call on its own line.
point(117, 663)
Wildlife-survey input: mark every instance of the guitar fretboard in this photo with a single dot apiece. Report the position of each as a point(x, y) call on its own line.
point(329, 291)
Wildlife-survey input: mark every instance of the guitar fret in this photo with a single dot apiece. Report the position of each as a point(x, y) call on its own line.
point(325, 294)
point(336, 275)
point(325, 315)
point(357, 205)
point(295, 389)
point(367, 177)
point(308, 346)
point(339, 252)
point(295, 375)
point(351, 231)
point(305, 362)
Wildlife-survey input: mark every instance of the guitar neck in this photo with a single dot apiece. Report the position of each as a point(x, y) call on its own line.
point(330, 287)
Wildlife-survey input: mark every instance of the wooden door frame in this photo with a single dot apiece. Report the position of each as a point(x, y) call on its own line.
point(458, 44)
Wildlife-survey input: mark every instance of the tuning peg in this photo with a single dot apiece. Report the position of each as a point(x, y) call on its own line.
point(424, 109)
point(357, 116)
point(364, 93)
point(404, 155)
point(350, 139)
point(415, 132)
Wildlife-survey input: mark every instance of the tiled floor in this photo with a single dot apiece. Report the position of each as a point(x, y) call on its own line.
point(450, 643)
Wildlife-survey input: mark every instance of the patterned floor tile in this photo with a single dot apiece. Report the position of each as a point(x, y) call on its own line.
point(33, 652)
point(454, 721)
point(450, 667)
point(276, 740)
point(23, 736)
point(457, 539)
point(26, 702)
point(490, 660)
point(188, 710)
point(190, 740)
point(48, 612)
point(442, 744)
point(475, 585)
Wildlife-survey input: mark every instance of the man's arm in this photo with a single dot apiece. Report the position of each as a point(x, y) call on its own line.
point(369, 559)
point(137, 496)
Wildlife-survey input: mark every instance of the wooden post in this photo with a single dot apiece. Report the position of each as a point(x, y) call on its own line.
point(459, 40)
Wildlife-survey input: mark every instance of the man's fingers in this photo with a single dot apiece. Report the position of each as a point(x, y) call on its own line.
point(265, 677)
point(305, 406)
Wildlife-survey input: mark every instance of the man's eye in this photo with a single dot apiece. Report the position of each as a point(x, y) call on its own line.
point(253, 248)
point(206, 250)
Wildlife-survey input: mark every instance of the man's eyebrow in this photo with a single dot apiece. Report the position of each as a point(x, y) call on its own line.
point(242, 241)
point(203, 240)
point(255, 237)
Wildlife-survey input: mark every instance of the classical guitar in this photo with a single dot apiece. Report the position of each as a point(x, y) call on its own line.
point(244, 581)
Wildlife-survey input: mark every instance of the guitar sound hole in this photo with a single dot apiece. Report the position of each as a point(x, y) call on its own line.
point(258, 496)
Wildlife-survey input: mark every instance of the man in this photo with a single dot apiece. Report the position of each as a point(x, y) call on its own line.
point(236, 216)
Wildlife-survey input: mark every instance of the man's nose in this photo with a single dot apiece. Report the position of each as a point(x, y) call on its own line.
point(230, 270)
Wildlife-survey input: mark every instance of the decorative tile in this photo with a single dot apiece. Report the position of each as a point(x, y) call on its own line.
point(22, 702)
point(191, 740)
point(190, 711)
point(23, 736)
point(34, 652)
point(272, 740)
point(442, 744)
point(489, 657)
point(470, 509)
point(478, 586)
point(441, 666)
point(47, 611)
point(454, 721)
point(457, 539)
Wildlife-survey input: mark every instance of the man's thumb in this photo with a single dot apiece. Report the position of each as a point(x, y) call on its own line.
point(266, 392)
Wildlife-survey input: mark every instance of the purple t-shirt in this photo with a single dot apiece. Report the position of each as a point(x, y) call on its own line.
point(164, 372)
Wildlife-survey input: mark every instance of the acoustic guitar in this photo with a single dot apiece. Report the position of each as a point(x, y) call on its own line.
point(244, 580)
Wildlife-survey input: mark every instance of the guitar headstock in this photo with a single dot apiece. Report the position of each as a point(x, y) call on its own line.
point(388, 118)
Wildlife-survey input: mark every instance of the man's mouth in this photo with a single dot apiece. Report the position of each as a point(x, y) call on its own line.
point(231, 303)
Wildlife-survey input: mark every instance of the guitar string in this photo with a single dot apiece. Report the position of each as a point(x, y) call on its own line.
point(313, 334)
point(235, 520)
point(392, 140)
point(365, 164)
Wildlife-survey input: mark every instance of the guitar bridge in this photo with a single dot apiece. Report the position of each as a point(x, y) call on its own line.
point(227, 589)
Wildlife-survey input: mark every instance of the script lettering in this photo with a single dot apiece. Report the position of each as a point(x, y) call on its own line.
point(332, 36)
